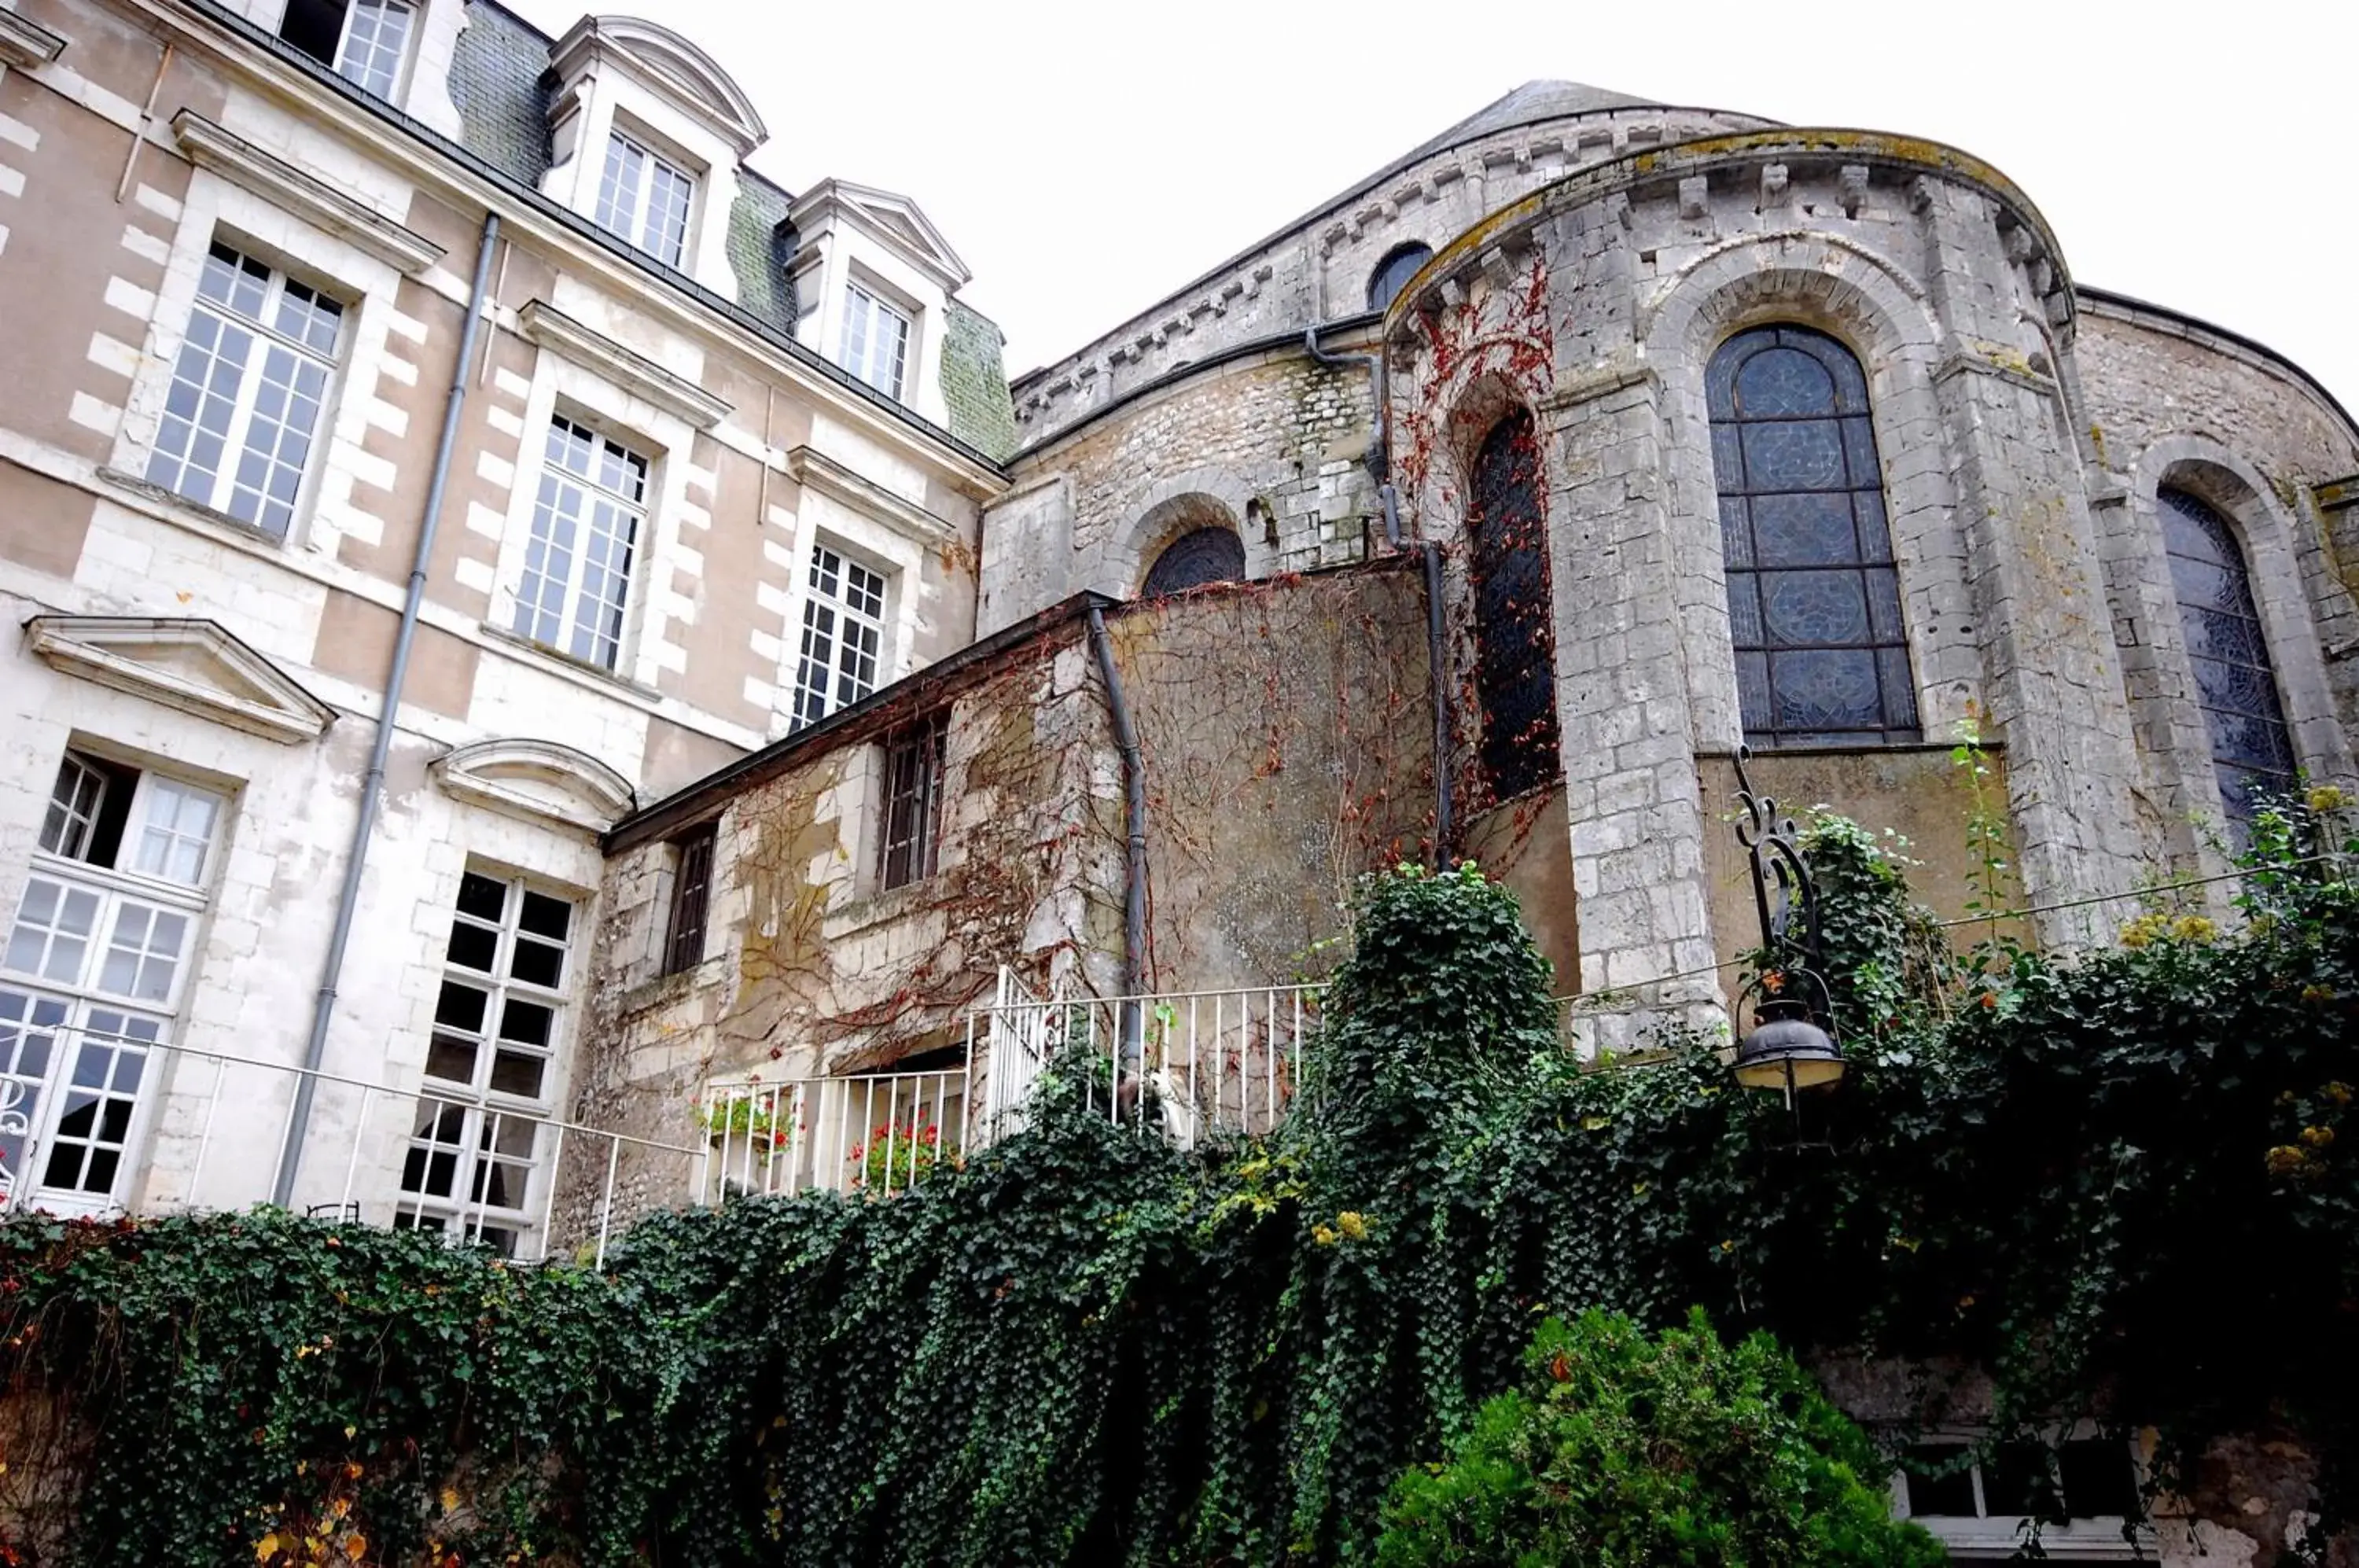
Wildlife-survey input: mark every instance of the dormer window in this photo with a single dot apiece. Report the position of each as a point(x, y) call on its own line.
point(875, 340)
point(363, 40)
point(644, 198)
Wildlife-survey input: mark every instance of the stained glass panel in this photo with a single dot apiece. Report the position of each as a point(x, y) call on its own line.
point(1814, 599)
point(1515, 644)
point(2228, 651)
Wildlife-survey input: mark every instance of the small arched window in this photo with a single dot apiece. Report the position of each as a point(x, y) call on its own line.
point(1194, 559)
point(1515, 679)
point(2236, 685)
point(1814, 600)
point(1393, 273)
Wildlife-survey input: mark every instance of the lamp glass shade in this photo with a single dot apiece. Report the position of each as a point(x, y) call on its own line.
point(1786, 1050)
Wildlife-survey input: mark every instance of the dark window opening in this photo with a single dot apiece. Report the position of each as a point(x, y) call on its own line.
point(691, 894)
point(1206, 555)
point(913, 803)
point(1813, 596)
point(2235, 684)
point(315, 26)
point(1515, 642)
point(90, 806)
point(1393, 273)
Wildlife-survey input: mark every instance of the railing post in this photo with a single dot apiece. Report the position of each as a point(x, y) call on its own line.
point(204, 1135)
point(606, 1204)
point(353, 1158)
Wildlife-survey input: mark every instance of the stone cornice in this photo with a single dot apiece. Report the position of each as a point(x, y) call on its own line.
point(191, 664)
point(539, 780)
point(815, 470)
point(1753, 151)
point(25, 44)
point(314, 200)
point(543, 324)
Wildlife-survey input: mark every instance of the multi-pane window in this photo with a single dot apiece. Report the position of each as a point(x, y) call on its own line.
point(875, 340)
point(585, 525)
point(908, 847)
point(2082, 1492)
point(1195, 558)
point(243, 409)
point(2236, 685)
point(1393, 273)
point(93, 968)
point(644, 199)
point(1814, 599)
point(491, 1064)
point(844, 636)
point(1515, 674)
point(692, 897)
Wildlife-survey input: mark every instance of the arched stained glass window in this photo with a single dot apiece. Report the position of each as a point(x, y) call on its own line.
point(1394, 272)
point(1813, 601)
point(1514, 646)
point(1205, 555)
point(2234, 683)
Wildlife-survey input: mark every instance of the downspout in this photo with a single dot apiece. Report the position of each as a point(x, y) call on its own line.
point(1380, 464)
point(298, 1116)
point(1134, 783)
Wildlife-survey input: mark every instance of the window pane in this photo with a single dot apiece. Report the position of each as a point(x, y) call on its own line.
point(72, 815)
point(2100, 1480)
point(2228, 653)
point(1814, 605)
point(1514, 640)
point(1940, 1481)
point(52, 934)
point(177, 831)
point(844, 636)
point(374, 36)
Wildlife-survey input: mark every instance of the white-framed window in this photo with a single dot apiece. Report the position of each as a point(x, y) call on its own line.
point(94, 969)
point(844, 636)
point(363, 40)
point(576, 588)
point(875, 340)
point(2084, 1491)
point(473, 1161)
point(241, 417)
point(644, 198)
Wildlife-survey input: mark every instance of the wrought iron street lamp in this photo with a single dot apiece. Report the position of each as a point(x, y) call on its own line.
point(1790, 1047)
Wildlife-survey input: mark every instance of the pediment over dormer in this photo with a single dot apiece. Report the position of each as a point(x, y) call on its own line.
point(893, 220)
point(667, 63)
point(192, 664)
point(539, 780)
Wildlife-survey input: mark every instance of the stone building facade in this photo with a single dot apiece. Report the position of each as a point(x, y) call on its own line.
point(1487, 509)
point(711, 468)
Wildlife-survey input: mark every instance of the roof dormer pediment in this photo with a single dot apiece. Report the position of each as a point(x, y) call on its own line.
point(892, 221)
point(666, 64)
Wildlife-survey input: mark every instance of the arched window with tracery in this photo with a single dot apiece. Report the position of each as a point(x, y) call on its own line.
point(1205, 555)
point(2235, 684)
point(1515, 679)
point(1814, 599)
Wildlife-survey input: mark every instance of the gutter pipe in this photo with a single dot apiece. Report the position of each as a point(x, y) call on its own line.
point(1380, 465)
point(298, 1116)
point(1134, 898)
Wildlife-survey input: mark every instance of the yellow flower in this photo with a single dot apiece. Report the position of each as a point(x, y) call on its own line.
point(2142, 930)
point(1322, 1235)
point(2325, 798)
point(2285, 1159)
point(2318, 1136)
point(1350, 1223)
point(2338, 1092)
point(2193, 928)
point(2317, 996)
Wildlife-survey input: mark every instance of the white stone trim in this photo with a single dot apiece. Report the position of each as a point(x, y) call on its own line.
point(240, 161)
point(151, 657)
point(815, 470)
point(539, 780)
point(545, 325)
point(25, 43)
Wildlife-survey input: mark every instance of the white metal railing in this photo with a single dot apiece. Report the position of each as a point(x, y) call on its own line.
point(429, 1157)
point(871, 1132)
point(1206, 1061)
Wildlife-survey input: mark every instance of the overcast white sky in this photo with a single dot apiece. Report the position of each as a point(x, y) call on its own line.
point(1085, 159)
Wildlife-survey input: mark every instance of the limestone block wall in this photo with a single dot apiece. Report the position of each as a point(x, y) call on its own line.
point(2172, 403)
point(1272, 444)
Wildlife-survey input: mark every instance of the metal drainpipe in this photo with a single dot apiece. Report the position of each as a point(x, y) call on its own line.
point(1134, 780)
point(298, 1116)
point(1380, 464)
